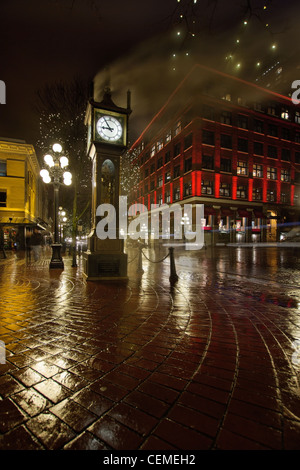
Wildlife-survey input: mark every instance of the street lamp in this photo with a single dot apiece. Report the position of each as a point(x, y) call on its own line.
point(57, 175)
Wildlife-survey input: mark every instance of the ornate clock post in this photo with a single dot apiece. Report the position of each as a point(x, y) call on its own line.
point(107, 141)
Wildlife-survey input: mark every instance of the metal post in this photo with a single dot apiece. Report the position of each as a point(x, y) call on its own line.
point(173, 276)
point(140, 264)
point(56, 260)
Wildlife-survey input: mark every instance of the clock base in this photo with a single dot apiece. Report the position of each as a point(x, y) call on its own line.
point(105, 266)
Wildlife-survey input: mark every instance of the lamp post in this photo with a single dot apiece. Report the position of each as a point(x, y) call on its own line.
point(57, 175)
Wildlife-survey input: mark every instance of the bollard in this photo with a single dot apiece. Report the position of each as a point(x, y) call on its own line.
point(140, 264)
point(173, 276)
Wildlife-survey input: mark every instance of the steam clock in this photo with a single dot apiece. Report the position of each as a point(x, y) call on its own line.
point(107, 141)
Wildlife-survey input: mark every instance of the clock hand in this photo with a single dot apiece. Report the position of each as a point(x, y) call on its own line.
point(108, 127)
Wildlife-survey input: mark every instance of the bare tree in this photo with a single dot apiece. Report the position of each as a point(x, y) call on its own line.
point(61, 107)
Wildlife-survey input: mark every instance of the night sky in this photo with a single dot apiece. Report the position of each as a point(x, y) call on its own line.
point(142, 45)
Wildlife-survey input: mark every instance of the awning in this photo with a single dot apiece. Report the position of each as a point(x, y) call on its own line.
point(227, 212)
point(209, 211)
point(243, 213)
point(259, 215)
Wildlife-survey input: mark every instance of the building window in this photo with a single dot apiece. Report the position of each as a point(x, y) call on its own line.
point(242, 168)
point(159, 163)
point(168, 136)
point(257, 194)
point(167, 177)
point(241, 192)
point(3, 168)
point(272, 151)
point(225, 190)
point(153, 150)
point(160, 199)
point(208, 137)
point(207, 188)
point(177, 149)
point(286, 155)
point(258, 107)
point(285, 175)
point(152, 185)
point(146, 172)
point(297, 137)
point(160, 144)
point(208, 113)
point(297, 157)
point(160, 181)
point(188, 189)
point(258, 126)
point(177, 128)
point(176, 171)
point(188, 141)
point(208, 162)
point(225, 165)
point(285, 198)
point(226, 118)
point(273, 130)
point(271, 173)
point(176, 194)
point(226, 141)
point(285, 113)
point(226, 97)
point(167, 197)
point(257, 171)
point(187, 165)
point(285, 134)
point(3, 197)
point(152, 168)
point(243, 145)
point(272, 109)
point(297, 117)
point(167, 156)
point(271, 195)
point(242, 121)
point(258, 148)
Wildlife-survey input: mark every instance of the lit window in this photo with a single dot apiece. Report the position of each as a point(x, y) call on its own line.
point(160, 145)
point(285, 174)
point(207, 187)
point(285, 114)
point(257, 194)
point(168, 136)
point(177, 128)
point(241, 192)
point(153, 150)
point(242, 168)
point(271, 173)
point(257, 171)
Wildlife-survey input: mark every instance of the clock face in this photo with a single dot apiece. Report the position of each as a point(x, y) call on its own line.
point(109, 128)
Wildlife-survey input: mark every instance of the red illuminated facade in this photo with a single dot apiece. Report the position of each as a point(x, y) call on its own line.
point(227, 144)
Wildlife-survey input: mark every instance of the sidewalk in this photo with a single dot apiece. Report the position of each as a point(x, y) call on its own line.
point(144, 365)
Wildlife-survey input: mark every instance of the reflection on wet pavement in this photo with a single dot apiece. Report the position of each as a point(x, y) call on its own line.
point(210, 362)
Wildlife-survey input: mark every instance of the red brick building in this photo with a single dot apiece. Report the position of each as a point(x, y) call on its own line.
point(230, 145)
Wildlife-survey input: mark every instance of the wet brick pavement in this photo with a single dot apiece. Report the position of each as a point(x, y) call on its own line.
point(200, 365)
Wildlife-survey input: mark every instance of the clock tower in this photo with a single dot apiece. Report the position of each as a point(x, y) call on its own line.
point(107, 141)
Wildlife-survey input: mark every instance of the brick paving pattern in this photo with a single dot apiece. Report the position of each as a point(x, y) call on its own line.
point(145, 365)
